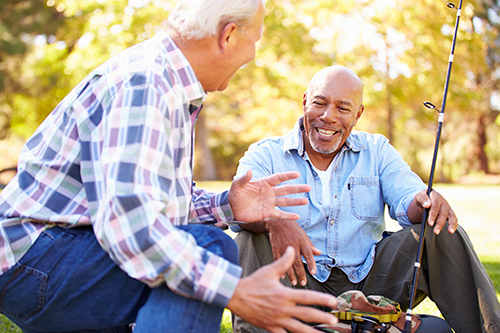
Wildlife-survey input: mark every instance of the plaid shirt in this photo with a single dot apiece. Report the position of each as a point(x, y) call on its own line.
point(117, 153)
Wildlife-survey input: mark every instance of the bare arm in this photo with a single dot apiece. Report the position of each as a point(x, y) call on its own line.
point(440, 211)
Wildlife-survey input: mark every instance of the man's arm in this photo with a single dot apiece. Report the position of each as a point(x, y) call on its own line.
point(263, 301)
point(249, 201)
point(440, 211)
point(283, 232)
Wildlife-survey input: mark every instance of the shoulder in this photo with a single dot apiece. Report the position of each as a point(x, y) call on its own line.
point(141, 65)
point(360, 140)
point(268, 143)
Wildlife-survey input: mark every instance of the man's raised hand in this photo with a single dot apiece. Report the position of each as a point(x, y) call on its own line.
point(256, 200)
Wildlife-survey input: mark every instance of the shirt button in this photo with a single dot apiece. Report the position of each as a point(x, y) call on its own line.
point(332, 221)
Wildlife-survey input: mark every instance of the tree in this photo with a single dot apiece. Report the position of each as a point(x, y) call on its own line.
point(20, 22)
point(399, 49)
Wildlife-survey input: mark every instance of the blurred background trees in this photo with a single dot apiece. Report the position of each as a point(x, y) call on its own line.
point(399, 49)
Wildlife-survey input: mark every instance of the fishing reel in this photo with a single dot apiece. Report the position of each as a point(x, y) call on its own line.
point(367, 324)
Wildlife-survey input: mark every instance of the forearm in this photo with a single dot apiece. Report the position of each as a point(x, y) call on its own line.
point(209, 206)
point(256, 227)
point(414, 213)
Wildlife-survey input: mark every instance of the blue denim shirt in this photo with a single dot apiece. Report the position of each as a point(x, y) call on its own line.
point(368, 173)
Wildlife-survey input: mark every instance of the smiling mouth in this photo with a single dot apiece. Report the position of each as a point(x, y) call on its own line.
point(325, 132)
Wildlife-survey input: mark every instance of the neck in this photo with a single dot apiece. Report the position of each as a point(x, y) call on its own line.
point(199, 53)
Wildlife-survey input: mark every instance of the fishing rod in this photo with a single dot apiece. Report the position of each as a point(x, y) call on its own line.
point(425, 213)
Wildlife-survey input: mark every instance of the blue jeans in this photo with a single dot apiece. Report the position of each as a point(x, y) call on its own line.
point(67, 282)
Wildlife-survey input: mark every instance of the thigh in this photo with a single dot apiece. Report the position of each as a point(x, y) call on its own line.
point(166, 311)
point(432, 324)
point(392, 271)
point(66, 282)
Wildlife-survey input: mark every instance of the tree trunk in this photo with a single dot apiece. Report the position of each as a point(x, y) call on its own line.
point(205, 160)
point(481, 144)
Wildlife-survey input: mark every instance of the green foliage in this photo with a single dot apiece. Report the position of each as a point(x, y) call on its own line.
point(6, 326)
point(399, 48)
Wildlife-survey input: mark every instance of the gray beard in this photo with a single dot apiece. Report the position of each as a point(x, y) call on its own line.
point(324, 150)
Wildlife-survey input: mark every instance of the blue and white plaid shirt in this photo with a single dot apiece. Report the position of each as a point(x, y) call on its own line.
point(117, 153)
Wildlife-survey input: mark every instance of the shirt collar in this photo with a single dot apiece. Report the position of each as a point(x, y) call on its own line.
point(294, 140)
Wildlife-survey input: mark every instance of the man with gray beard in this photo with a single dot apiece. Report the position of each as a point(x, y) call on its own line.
point(340, 238)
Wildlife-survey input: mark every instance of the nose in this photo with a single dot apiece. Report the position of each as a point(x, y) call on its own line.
point(330, 114)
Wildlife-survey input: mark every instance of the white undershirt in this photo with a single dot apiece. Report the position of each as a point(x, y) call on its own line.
point(325, 182)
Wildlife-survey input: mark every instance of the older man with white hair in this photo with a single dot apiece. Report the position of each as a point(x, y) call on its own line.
point(102, 226)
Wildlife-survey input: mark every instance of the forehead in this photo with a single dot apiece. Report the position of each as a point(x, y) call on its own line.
point(336, 86)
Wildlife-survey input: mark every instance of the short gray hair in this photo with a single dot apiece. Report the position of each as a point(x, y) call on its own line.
point(199, 19)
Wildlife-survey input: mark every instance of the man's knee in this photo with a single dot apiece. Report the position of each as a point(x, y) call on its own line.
point(214, 240)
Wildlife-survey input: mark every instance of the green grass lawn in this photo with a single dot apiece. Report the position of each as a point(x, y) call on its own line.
point(477, 208)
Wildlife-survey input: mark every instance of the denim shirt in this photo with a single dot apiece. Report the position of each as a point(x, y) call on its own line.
point(368, 173)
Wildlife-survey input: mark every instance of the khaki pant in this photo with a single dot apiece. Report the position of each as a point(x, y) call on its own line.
point(451, 275)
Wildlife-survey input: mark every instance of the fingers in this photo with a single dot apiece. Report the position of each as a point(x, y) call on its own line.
point(308, 252)
point(286, 201)
point(281, 177)
point(452, 222)
point(262, 300)
point(296, 326)
point(291, 189)
point(438, 216)
point(310, 297)
point(243, 180)
point(276, 329)
point(283, 264)
point(279, 214)
point(422, 200)
point(297, 270)
point(309, 315)
point(434, 211)
point(441, 212)
point(276, 256)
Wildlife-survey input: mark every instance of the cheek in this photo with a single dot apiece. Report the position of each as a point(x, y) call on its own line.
point(348, 121)
point(307, 120)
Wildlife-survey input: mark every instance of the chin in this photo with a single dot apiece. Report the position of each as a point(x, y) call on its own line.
point(223, 86)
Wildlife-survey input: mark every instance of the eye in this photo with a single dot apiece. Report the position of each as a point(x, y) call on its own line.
point(345, 110)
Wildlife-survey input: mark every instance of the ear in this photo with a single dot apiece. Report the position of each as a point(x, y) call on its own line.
point(304, 101)
point(360, 112)
point(226, 36)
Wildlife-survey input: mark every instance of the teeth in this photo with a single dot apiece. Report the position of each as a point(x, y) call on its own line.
point(326, 132)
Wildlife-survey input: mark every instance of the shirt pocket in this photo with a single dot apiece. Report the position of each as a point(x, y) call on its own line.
point(304, 211)
point(24, 294)
point(365, 197)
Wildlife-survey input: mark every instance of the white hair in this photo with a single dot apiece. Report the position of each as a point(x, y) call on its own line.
point(199, 19)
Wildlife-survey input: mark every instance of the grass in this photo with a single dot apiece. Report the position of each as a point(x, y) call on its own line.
point(477, 211)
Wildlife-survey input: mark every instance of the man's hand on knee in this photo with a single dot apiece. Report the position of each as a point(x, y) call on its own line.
point(261, 300)
point(440, 211)
point(285, 233)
